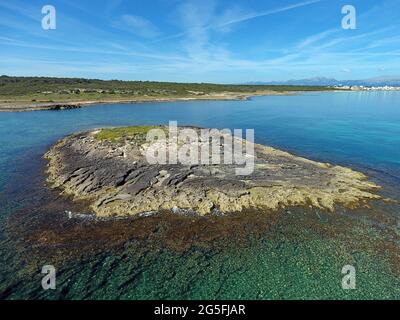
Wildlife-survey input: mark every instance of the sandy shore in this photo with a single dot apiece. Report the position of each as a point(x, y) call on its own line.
point(35, 106)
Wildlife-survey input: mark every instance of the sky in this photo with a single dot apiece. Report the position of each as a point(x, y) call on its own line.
point(221, 41)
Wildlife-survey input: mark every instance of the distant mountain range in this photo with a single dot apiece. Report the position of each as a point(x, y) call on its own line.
point(322, 81)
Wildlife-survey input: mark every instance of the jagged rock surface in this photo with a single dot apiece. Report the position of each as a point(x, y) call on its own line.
point(117, 180)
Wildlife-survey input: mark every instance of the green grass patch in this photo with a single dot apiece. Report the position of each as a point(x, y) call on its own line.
point(116, 134)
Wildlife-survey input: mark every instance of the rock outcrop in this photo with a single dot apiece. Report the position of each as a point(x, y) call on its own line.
point(64, 106)
point(116, 179)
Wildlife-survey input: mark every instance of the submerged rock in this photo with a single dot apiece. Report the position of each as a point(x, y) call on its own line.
point(112, 173)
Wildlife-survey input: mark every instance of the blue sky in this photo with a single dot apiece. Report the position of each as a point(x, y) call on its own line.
point(200, 41)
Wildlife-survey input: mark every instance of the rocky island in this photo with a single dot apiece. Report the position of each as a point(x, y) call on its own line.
point(108, 169)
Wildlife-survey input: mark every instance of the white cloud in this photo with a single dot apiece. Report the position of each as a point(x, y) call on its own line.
point(232, 16)
point(316, 38)
point(251, 16)
point(137, 25)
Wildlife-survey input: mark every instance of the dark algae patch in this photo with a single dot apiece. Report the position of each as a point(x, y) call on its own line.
point(290, 254)
point(296, 252)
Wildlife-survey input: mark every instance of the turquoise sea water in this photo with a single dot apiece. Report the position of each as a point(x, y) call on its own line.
point(357, 129)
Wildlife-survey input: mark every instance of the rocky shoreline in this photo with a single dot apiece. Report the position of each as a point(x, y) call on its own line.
point(40, 106)
point(64, 106)
point(113, 176)
point(36, 106)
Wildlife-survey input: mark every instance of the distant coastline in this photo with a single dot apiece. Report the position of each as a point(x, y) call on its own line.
point(383, 81)
point(21, 106)
point(43, 93)
point(26, 106)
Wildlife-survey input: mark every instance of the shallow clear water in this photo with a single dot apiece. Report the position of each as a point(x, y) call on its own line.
point(359, 129)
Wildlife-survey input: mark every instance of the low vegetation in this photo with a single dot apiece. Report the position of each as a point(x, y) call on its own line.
point(116, 134)
point(45, 89)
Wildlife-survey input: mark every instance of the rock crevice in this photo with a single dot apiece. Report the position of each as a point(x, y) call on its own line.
point(116, 179)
